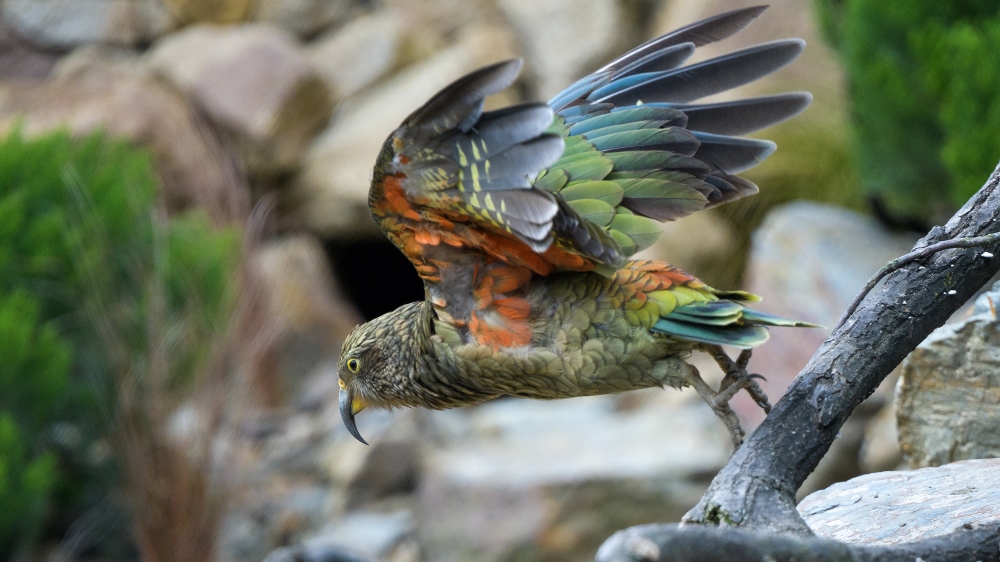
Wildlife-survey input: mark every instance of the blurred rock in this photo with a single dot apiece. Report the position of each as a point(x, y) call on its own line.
point(187, 12)
point(432, 25)
point(880, 448)
point(63, 24)
point(371, 534)
point(899, 507)
point(818, 69)
point(255, 82)
point(325, 553)
point(949, 394)
point(359, 53)
point(307, 314)
point(192, 164)
point(702, 242)
point(562, 40)
point(19, 59)
point(808, 261)
point(330, 196)
point(389, 466)
point(304, 18)
point(550, 480)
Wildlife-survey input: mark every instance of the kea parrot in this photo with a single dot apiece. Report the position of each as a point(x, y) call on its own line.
point(521, 223)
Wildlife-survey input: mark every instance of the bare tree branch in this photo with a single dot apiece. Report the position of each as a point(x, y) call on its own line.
point(756, 489)
point(911, 257)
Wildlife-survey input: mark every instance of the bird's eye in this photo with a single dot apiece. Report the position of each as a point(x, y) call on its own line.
point(353, 365)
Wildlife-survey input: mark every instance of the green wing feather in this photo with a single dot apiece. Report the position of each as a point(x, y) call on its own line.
point(629, 143)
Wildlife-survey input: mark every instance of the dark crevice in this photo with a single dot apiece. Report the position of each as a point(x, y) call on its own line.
point(374, 275)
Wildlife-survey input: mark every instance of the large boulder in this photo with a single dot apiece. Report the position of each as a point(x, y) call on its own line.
point(808, 261)
point(359, 53)
point(330, 195)
point(20, 59)
point(948, 404)
point(307, 315)
point(256, 82)
point(545, 481)
point(888, 508)
point(304, 18)
point(562, 40)
point(64, 24)
point(122, 101)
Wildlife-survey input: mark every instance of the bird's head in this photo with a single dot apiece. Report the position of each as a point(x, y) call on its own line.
point(376, 364)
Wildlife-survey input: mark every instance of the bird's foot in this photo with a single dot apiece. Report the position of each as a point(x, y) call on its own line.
point(738, 378)
point(720, 406)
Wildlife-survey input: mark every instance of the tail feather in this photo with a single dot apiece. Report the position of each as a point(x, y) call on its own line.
point(722, 322)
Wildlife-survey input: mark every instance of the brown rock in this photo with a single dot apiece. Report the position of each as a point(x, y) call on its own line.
point(191, 162)
point(214, 11)
point(308, 317)
point(948, 405)
point(255, 82)
point(63, 24)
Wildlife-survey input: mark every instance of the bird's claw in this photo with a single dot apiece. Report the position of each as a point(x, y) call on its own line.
point(737, 378)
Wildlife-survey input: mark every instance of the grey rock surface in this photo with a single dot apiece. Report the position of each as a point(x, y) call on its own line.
point(304, 18)
point(948, 398)
point(808, 261)
point(64, 24)
point(888, 508)
point(556, 478)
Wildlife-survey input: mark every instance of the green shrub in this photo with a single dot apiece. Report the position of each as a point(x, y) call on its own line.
point(923, 82)
point(92, 277)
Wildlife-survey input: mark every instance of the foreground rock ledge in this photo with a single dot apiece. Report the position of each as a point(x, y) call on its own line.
point(945, 513)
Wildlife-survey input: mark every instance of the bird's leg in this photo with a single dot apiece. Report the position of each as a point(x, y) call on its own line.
point(720, 407)
point(738, 378)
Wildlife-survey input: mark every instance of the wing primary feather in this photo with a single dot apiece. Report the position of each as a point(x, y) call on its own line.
point(745, 116)
point(709, 30)
point(712, 76)
point(732, 155)
point(460, 104)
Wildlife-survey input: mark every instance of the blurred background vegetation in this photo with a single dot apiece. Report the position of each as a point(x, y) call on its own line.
point(923, 100)
point(167, 389)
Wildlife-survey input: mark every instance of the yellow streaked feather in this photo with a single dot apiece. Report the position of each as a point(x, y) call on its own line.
point(475, 178)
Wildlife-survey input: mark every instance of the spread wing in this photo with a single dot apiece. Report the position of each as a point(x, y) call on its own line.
point(638, 150)
point(579, 183)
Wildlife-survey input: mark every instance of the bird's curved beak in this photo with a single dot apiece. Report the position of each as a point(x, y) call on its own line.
point(349, 405)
